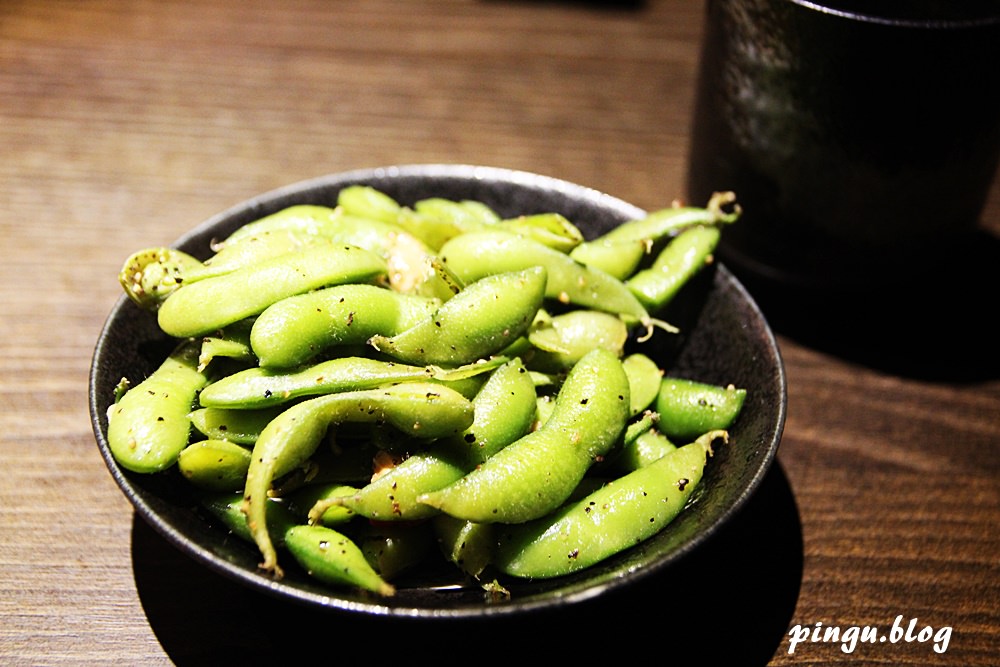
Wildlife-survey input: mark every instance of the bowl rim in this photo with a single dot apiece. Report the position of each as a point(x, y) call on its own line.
point(378, 607)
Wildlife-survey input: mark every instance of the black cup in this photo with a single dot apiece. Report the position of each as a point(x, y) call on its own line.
point(861, 139)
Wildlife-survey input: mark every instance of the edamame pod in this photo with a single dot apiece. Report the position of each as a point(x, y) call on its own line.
point(364, 201)
point(644, 378)
point(151, 275)
point(217, 465)
point(550, 229)
point(207, 305)
point(255, 388)
point(292, 331)
point(479, 321)
point(251, 250)
point(563, 340)
point(619, 259)
point(416, 409)
point(475, 255)
point(332, 557)
point(535, 474)
point(467, 544)
point(149, 426)
point(240, 426)
point(682, 258)
point(619, 515)
point(688, 408)
point(664, 222)
point(227, 508)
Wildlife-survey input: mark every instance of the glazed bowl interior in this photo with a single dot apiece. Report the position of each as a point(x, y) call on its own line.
point(724, 339)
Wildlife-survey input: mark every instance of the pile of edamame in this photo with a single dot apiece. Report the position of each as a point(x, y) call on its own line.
point(362, 387)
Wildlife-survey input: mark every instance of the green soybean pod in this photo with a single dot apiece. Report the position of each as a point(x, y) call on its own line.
point(233, 342)
point(645, 378)
point(334, 558)
point(466, 544)
point(618, 515)
point(217, 465)
point(686, 255)
point(260, 247)
point(302, 499)
point(364, 201)
point(395, 548)
point(477, 254)
point(240, 426)
point(564, 339)
point(294, 330)
point(688, 408)
point(227, 509)
point(619, 259)
point(479, 321)
point(149, 425)
point(535, 474)
point(721, 209)
point(416, 409)
point(256, 388)
point(640, 451)
point(150, 275)
point(504, 410)
point(550, 229)
point(307, 219)
point(207, 305)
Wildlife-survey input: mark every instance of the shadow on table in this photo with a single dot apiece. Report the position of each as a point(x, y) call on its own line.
point(936, 326)
point(729, 602)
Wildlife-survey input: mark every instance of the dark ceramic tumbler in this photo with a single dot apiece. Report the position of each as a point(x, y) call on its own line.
point(861, 138)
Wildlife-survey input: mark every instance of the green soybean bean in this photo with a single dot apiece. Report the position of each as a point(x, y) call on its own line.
point(475, 255)
point(294, 330)
point(688, 408)
point(255, 388)
point(686, 255)
point(207, 305)
point(504, 411)
point(217, 465)
point(564, 339)
point(619, 515)
point(149, 425)
point(665, 222)
point(644, 378)
point(479, 321)
point(535, 474)
point(334, 558)
point(150, 275)
point(240, 426)
point(417, 409)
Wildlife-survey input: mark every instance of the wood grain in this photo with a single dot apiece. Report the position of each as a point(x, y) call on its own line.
point(123, 123)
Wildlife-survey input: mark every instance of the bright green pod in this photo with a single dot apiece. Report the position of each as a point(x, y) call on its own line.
point(550, 229)
point(294, 330)
point(504, 411)
point(215, 465)
point(333, 558)
point(618, 515)
point(561, 341)
point(250, 250)
point(688, 408)
point(721, 209)
point(227, 509)
point(479, 321)
point(256, 388)
point(233, 343)
point(416, 409)
point(684, 257)
point(535, 474)
point(466, 544)
point(240, 426)
point(302, 499)
point(214, 303)
point(644, 379)
point(364, 201)
point(395, 548)
point(149, 425)
point(150, 275)
point(640, 451)
point(475, 255)
point(619, 259)
point(306, 219)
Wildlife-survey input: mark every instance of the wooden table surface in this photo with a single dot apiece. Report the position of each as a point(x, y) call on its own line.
point(125, 122)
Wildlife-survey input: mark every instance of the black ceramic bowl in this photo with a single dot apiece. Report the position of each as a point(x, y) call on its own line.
point(724, 340)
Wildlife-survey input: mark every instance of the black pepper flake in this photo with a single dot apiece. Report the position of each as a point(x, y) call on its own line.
point(682, 482)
